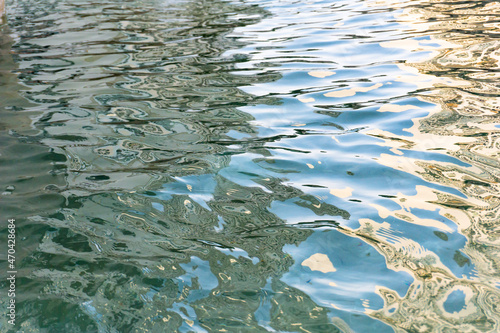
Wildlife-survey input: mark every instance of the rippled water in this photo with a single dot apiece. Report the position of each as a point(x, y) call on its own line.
point(252, 166)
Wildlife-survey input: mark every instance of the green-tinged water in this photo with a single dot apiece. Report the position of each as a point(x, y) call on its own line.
point(251, 166)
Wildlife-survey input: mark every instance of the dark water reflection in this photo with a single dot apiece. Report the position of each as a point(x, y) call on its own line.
point(252, 166)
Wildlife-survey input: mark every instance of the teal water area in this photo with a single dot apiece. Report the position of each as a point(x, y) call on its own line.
point(251, 166)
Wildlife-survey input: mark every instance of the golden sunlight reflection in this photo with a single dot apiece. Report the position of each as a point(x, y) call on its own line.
point(464, 105)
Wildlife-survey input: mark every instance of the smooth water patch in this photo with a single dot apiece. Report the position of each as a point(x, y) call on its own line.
point(455, 301)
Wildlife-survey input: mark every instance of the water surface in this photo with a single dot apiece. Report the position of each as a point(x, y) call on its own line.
point(252, 166)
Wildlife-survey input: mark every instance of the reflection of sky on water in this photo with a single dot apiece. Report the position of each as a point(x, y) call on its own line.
point(200, 188)
point(359, 269)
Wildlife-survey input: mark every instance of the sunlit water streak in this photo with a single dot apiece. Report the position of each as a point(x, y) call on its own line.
point(291, 166)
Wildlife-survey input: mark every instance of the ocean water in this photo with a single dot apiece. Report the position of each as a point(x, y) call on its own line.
point(251, 166)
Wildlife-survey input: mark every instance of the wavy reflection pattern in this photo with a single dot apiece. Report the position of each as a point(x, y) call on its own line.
point(459, 78)
point(142, 109)
point(295, 166)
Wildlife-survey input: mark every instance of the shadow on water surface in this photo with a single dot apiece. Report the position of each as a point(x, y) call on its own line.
point(139, 105)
